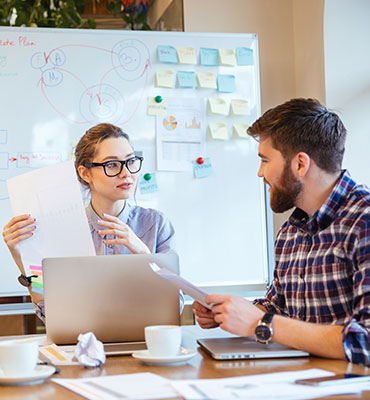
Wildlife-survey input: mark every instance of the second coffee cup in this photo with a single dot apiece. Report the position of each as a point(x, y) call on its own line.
point(163, 340)
point(18, 357)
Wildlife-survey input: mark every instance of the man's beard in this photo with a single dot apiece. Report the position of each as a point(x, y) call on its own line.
point(285, 195)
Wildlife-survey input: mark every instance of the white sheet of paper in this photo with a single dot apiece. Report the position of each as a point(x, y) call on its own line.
point(180, 135)
point(131, 386)
point(278, 386)
point(56, 355)
point(182, 284)
point(52, 195)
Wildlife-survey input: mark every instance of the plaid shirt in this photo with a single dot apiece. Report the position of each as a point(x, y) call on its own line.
point(322, 271)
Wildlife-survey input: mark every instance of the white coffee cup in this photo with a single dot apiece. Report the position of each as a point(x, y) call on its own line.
point(18, 357)
point(163, 340)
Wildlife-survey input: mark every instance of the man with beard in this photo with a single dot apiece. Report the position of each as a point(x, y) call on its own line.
point(319, 300)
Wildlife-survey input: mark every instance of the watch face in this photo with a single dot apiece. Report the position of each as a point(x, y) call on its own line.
point(263, 332)
point(23, 280)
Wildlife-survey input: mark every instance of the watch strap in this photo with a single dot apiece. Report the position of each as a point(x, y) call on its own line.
point(26, 280)
point(267, 318)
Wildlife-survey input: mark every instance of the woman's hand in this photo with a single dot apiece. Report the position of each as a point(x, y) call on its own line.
point(17, 229)
point(124, 235)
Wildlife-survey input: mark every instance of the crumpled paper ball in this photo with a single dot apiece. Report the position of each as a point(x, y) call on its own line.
point(89, 350)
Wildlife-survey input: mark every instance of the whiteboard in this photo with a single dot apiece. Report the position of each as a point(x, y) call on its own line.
point(50, 80)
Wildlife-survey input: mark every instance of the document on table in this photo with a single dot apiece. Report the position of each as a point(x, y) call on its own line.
point(187, 287)
point(279, 385)
point(52, 195)
point(273, 386)
point(131, 386)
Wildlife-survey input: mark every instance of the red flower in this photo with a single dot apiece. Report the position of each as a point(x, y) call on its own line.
point(135, 3)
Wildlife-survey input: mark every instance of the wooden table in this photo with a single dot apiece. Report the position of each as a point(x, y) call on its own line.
point(201, 366)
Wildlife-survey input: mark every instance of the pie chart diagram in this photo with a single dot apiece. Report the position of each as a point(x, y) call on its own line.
point(170, 123)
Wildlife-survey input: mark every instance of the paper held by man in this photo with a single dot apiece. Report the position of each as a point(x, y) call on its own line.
point(182, 284)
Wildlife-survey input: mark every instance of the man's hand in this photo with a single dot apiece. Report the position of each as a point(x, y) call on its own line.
point(204, 317)
point(235, 314)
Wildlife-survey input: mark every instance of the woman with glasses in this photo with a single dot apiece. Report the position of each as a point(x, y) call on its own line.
point(107, 166)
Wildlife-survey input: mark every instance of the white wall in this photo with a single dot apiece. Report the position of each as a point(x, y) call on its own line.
point(271, 20)
point(291, 49)
point(347, 75)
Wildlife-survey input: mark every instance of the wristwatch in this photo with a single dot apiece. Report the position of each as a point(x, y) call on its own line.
point(263, 332)
point(26, 280)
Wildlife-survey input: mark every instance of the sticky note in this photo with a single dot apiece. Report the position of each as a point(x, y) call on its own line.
point(186, 79)
point(218, 106)
point(208, 56)
point(218, 130)
point(240, 131)
point(167, 54)
point(227, 57)
point(37, 280)
point(226, 83)
point(207, 80)
point(148, 186)
point(155, 108)
point(203, 170)
point(244, 56)
point(37, 284)
point(240, 107)
point(165, 78)
point(71, 152)
point(186, 55)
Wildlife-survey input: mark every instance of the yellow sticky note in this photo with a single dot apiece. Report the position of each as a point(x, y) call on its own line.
point(218, 130)
point(240, 107)
point(227, 57)
point(155, 108)
point(165, 78)
point(207, 80)
point(240, 130)
point(186, 55)
point(217, 106)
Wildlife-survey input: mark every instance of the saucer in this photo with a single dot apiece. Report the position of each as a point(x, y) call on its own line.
point(183, 356)
point(37, 376)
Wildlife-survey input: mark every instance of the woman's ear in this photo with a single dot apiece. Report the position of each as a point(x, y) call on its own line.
point(84, 173)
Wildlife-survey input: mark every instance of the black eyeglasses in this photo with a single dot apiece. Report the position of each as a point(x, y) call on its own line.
point(115, 167)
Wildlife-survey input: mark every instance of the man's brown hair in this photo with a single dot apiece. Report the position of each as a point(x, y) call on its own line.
point(304, 125)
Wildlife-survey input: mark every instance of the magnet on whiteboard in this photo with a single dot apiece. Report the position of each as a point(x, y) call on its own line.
point(200, 160)
point(158, 99)
point(147, 177)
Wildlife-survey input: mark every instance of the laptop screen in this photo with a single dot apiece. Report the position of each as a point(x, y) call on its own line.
point(113, 296)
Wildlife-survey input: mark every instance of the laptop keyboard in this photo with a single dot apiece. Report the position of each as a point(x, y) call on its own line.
point(113, 349)
point(123, 348)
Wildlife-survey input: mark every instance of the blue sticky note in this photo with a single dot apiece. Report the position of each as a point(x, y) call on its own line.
point(167, 54)
point(226, 83)
point(37, 290)
point(244, 56)
point(208, 56)
point(203, 170)
point(186, 79)
point(148, 186)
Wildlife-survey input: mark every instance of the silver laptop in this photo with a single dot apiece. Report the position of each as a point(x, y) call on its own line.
point(242, 348)
point(113, 296)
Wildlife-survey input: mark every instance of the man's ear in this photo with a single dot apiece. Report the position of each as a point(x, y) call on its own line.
point(84, 173)
point(300, 164)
